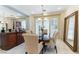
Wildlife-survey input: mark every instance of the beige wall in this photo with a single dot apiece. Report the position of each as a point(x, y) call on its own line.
point(71, 9)
point(61, 26)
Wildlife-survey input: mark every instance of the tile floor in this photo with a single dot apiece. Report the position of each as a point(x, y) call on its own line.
point(61, 47)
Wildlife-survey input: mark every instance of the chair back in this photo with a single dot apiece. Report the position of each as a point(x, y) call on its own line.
point(45, 32)
point(31, 42)
point(55, 35)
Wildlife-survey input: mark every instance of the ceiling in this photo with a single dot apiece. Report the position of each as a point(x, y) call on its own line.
point(37, 9)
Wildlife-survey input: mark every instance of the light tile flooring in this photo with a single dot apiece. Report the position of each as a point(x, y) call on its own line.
point(20, 49)
point(61, 47)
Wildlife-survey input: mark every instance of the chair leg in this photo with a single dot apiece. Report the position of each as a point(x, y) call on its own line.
point(45, 48)
point(41, 51)
point(56, 48)
point(26, 53)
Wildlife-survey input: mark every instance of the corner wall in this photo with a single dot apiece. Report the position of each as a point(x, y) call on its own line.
point(61, 26)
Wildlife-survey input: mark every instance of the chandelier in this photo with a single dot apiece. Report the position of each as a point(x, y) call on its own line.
point(43, 10)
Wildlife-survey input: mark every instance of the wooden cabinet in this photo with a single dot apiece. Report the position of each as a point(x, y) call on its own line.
point(20, 38)
point(10, 40)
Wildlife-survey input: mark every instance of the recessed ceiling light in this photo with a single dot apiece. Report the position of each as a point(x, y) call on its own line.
point(59, 8)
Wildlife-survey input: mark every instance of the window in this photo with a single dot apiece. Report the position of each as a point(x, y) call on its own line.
point(38, 26)
point(50, 24)
point(23, 24)
point(53, 25)
point(46, 25)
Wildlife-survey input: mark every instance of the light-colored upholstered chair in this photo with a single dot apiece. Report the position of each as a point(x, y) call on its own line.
point(52, 41)
point(45, 32)
point(32, 44)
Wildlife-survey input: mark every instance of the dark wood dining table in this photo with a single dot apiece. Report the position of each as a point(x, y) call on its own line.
point(44, 39)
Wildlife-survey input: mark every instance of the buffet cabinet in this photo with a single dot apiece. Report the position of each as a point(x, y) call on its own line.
point(10, 40)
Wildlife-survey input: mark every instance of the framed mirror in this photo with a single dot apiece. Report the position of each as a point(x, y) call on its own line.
point(71, 30)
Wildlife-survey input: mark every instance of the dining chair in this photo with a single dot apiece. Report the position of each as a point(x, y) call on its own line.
point(52, 41)
point(45, 32)
point(32, 44)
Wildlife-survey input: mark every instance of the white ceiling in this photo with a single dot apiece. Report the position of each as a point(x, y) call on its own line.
point(37, 9)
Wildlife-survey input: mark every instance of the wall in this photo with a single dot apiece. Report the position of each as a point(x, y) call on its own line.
point(71, 9)
point(61, 26)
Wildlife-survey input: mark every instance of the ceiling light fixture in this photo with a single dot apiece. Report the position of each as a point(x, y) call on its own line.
point(43, 10)
point(59, 8)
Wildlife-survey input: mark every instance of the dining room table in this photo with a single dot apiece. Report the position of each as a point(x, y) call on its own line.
point(45, 39)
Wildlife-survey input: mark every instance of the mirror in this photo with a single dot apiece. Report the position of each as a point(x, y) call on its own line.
point(71, 30)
